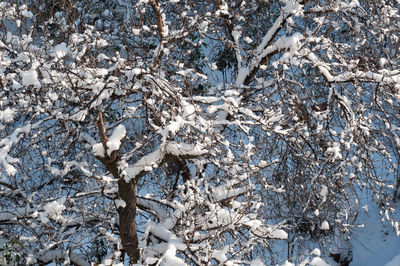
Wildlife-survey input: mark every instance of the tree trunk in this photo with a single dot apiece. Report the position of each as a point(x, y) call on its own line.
point(126, 192)
point(127, 214)
point(127, 219)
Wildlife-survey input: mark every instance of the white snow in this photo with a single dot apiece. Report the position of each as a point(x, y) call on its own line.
point(382, 62)
point(159, 231)
point(173, 127)
point(179, 149)
point(278, 129)
point(256, 262)
point(325, 225)
point(53, 96)
point(223, 192)
point(79, 116)
point(247, 39)
point(374, 243)
point(170, 258)
point(188, 109)
point(27, 14)
point(61, 50)
point(291, 42)
point(120, 203)
point(6, 144)
point(267, 38)
point(394, 262)
point(318, 262)
point(55, 208)
point(115, 141)
point(98, 150)
point(130, 74)
point(316, 252)
point(279, 234)
point(220, 255)
point(243, 72)
point(102, 57)
point(54, 254)
point(153, 158)
point(335, 151)
point(223, 10)
point(204, 25)
point(29, 77)
point(263, 164)
point(136, 71)
point(16, 85)
point(323, 193)
point(7, 115)
point(236, 35)
point(352, 4)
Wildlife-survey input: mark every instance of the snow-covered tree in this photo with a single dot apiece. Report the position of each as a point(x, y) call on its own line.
point(194, 132)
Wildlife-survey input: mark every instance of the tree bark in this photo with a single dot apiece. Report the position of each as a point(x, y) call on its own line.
point(126, 192)
point(127, 219)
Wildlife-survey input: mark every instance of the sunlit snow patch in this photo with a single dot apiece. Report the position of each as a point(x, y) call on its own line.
point(30, 77)
point(115, 141)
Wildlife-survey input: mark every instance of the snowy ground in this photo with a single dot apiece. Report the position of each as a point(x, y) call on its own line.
point(376, 244)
